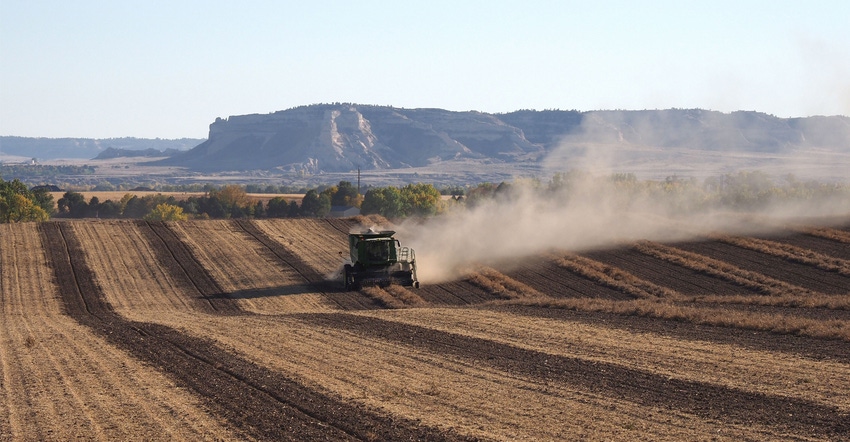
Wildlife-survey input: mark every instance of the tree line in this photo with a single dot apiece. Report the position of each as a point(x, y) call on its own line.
point(738, 191)
point(233, 201)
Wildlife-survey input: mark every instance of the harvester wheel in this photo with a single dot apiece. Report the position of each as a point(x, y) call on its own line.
point(347, 277)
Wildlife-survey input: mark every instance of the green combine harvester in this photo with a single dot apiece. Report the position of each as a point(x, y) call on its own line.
point(378, 259)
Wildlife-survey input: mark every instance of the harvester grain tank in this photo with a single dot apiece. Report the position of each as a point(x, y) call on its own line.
point(377, 258)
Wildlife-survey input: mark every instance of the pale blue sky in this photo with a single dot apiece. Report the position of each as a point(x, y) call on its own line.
point(167, 69)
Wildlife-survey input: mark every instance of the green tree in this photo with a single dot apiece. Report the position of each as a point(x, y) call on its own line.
point(18, 208)
point(294, 210)
point(315, 205)
point(233, 199)
point(73, 204)
point(346, 195)
point(384, 201)
point(166, 212)
point(42, 198)
point(18, 203)
point(421, 200)
point(278, 208)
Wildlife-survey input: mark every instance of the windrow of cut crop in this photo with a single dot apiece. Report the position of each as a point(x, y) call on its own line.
point(722, 317)
point(382, 297)
point(789, 252)
point(722, 270)
point(614, 278)
point(828, 233)
point(832, 302)
point(501, 285)
point(407, 296)
point(628, 283)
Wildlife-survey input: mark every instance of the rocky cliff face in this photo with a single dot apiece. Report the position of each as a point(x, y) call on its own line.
point(343, 137)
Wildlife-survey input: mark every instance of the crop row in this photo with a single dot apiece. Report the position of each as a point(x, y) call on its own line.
point(662, 303)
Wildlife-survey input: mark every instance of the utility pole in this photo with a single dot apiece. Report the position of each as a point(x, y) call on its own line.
point(358, 180)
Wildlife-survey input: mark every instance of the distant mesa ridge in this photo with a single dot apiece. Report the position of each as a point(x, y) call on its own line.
point(88, 148)
point(112, 152)
point(342, 137)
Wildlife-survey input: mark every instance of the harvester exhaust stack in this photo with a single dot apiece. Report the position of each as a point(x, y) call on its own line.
point(377, 258)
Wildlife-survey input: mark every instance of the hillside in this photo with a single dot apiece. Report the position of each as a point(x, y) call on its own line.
point(342, 137)
point(44, 149)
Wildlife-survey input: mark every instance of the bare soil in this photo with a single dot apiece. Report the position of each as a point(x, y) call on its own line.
point(237, 330)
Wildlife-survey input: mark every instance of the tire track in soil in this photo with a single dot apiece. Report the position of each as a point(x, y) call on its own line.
point(310, 275)
point(179, 260)
point(708, 401)
point(255, 400)
point(313, 278)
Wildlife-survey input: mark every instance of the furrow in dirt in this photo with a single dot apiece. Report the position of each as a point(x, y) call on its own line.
point(792, 273)
point(804, 346)
point(143, 277)
point(309, 274)
point(542, 275)
point(271, 235)
point(789, 253)
point(614, 277)
point(315, 247)
point(178, 258)
point(62, 382)
point(683, 280)
point(818, 244)
point(800, 417)
point(718, 267)
point(769, 372)
point(452, 293)
point(546, 276)
point(248, 270)
point(837, 235)
point(444, 391)
point(253, 399)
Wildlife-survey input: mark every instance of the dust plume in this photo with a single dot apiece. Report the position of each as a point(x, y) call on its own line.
point(601, 208)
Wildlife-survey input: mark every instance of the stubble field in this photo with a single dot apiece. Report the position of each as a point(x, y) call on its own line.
point(232, 330)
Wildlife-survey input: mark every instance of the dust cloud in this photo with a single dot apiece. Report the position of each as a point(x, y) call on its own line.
point(589, 210)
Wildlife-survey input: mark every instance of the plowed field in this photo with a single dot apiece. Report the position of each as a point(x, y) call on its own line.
point(236, 330)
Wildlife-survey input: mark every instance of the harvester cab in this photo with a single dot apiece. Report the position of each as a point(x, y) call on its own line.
point(377, 258)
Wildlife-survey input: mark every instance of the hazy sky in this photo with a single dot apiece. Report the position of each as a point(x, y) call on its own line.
point(167, 69)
